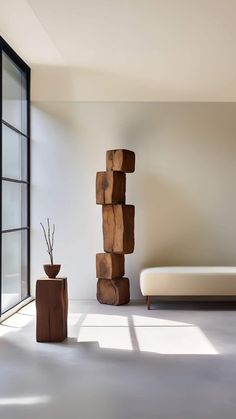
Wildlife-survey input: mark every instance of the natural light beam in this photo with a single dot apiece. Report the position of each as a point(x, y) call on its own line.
point(22, 401)
point(107, 337)
point(174, 340)
point(29, 309)
point(104, 320)
point(17, 320)
point(155, 321)
point(111, 332)
point(149, 334)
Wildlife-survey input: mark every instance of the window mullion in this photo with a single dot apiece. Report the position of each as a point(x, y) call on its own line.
point(15, 163)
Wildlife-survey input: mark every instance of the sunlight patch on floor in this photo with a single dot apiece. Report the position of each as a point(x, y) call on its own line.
point(19, 401)
point(145, 334)
point(17, 320)
point(122, 332)
point(155, 321)
point(105, 320)
point(107, 337)
point(28, 310)
point(174, 340)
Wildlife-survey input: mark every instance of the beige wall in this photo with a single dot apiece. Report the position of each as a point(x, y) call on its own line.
point(183, 187)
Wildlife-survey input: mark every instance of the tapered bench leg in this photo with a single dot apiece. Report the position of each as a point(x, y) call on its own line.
point(149, 302)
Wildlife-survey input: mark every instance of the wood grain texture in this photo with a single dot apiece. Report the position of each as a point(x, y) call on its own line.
point(109, 265)
point(110, 188)
point(52, 310)
point(113, 291)
point(118, 228)
point(121, 160)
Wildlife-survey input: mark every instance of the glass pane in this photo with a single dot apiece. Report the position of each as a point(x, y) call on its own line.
point(14, 205)
point(14, 95)
point(14, 154)
point(14, 268)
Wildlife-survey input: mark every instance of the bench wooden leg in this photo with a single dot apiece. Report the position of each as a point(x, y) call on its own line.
point(149, 302)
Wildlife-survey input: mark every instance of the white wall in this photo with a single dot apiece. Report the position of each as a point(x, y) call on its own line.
point(183, 187)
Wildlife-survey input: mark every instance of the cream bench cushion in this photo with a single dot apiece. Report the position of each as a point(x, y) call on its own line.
point(189, 281)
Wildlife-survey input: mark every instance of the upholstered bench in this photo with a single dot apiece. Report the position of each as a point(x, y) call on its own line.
point(215, 281)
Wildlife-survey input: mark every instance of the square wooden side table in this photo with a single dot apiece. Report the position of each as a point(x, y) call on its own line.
point(51, 309)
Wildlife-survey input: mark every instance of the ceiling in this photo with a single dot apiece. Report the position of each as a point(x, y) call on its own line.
point(134, 50)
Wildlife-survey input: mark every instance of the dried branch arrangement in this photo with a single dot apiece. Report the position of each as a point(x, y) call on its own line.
point(49, 238)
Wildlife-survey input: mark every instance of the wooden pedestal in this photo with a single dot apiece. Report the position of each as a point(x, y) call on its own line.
point(52, 309)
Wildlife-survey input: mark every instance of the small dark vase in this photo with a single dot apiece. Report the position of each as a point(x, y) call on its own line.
point(52, 270)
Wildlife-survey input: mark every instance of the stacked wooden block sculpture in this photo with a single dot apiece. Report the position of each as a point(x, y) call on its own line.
point(118, 228)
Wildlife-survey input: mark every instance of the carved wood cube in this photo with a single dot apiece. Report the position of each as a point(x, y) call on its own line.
point(110, 265)
point(118, 228)
point(113, 291)
point(121, 160)
point(110, 188)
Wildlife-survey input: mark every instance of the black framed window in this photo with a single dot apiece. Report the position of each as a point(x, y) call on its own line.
point(15, 178)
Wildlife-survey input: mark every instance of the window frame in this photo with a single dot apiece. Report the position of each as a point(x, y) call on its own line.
point(5, 48)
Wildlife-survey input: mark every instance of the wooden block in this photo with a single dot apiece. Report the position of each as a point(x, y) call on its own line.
point(110, 265)
point(121, 160)
point(118, 228)
point(110, 188)
point(52, 310)
point(113, 291)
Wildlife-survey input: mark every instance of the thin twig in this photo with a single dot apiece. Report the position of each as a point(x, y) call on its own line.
point(53, 233)
point(45, 236)
point(49, 240)
point(49, 234)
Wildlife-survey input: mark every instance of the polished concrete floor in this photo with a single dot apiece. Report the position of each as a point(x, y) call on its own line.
point(174, 362)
